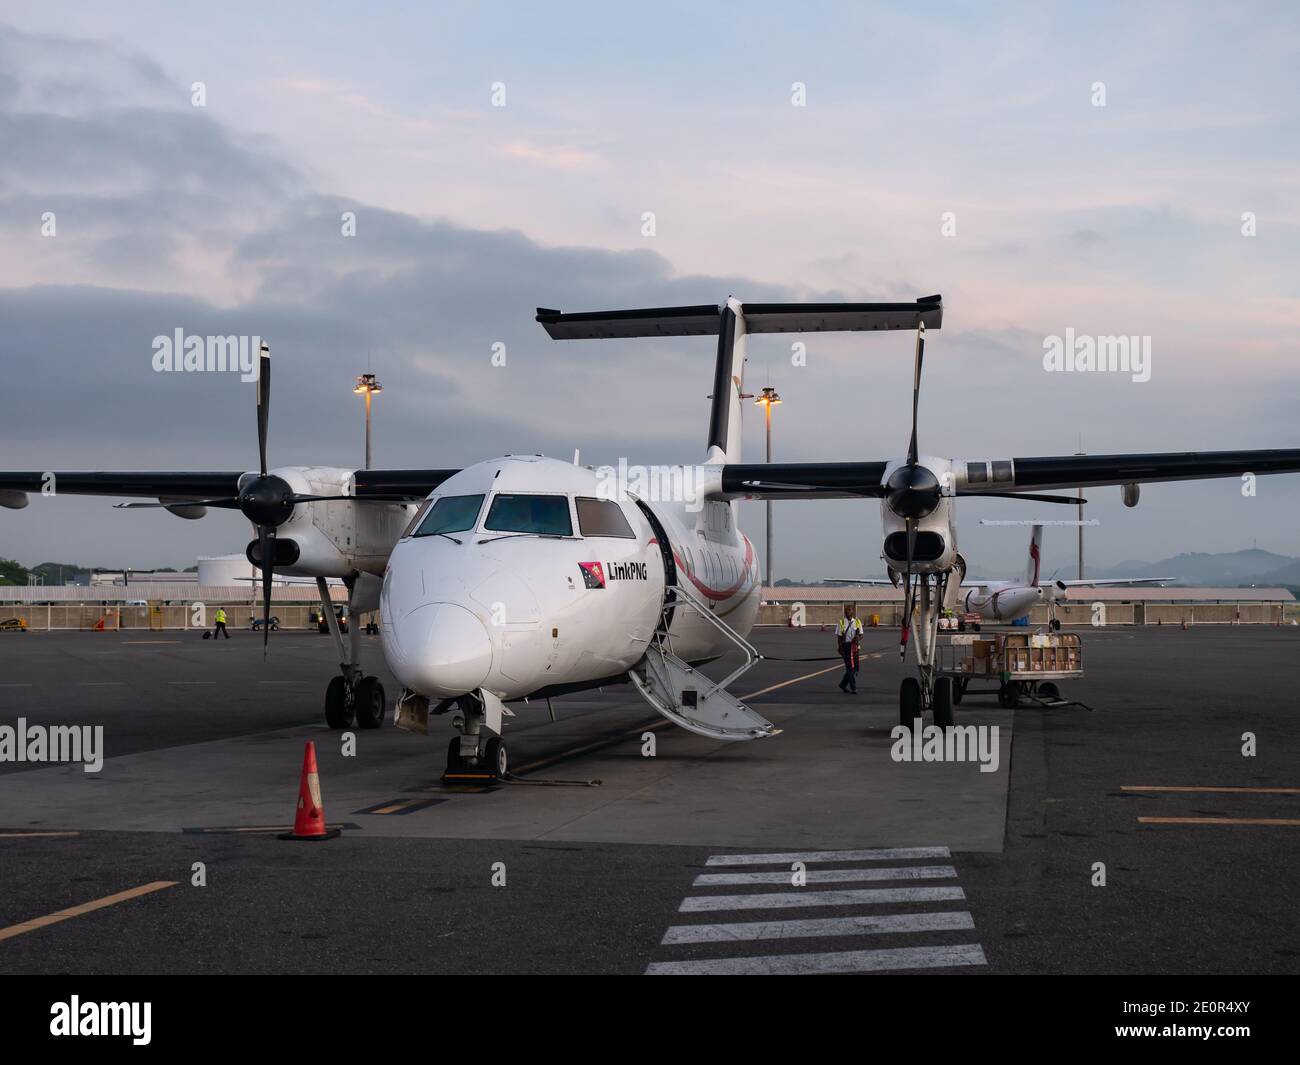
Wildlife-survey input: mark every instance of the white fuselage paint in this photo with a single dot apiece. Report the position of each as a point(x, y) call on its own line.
point(1004, 602)
point(515, 614)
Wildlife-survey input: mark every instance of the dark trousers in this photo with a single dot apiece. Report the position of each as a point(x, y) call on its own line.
point(850, 655)
point(221, 630)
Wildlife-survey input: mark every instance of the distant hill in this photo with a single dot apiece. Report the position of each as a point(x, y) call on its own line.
point(1227, 569)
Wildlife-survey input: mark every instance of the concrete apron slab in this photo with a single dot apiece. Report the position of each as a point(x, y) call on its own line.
point(827, 782)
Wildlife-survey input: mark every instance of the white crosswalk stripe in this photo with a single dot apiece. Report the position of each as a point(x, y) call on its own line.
point(926, 930)
point(892, 854)
point(786, 899)
point(830, 876)
point(829, 926)
point(849, 961)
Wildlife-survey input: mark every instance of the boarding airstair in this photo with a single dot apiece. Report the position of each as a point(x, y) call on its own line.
point(687, 697)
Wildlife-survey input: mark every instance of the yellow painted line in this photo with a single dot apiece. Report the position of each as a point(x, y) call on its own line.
point(394, 807)
point(1246, 791)
point(806, 676)
point(35, 835)
point(661, 722)
point(85, 907)
point(793, 680)
point(1219, 821)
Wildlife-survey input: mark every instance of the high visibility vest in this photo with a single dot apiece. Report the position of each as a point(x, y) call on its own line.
point(848, 628)
point(221, 617)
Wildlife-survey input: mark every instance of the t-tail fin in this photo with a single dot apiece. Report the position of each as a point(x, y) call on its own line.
point(726, 416)
point(1035, 556)
point(732, 323)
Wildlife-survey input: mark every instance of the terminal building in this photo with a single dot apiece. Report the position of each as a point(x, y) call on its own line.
point(1124, 605)
point(158, 604)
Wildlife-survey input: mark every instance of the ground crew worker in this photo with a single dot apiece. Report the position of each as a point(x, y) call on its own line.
point(221, 624)
point(848, 639)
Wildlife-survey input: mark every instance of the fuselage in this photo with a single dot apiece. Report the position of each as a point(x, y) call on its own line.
point(528, 576)
point(1004, 602)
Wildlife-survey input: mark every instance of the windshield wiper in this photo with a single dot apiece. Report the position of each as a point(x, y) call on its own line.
point(447, 535)
point(520, 535)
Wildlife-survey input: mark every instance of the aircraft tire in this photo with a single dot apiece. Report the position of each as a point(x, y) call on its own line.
point(338, 714)
point(369, 703)
point(495, 758)
point(909, 701)
point(943, 690)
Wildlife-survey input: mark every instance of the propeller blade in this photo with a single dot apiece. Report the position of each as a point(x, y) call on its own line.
point(908, 589)
point(263, 402)
point(916, 391)
point(1073, 501)
point(266, 549)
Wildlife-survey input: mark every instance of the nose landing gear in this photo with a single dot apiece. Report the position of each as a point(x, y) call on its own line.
point(478, 754)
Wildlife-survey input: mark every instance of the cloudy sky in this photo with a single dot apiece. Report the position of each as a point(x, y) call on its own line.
point(1093, 169)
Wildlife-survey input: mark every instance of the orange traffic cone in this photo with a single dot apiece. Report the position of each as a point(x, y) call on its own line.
point(309, 821)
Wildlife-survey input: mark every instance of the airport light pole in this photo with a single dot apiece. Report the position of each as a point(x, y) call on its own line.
point(1079, 493)
point(368, 385)
point(767, 400)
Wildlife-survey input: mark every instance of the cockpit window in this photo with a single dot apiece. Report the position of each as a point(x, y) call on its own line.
point(450, 514)
point(602, 517)
point(416, 518)
point(543, 515)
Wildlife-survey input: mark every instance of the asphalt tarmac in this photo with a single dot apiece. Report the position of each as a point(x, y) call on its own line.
point(813, 851)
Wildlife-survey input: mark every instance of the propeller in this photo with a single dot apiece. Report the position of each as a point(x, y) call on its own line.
point(266, 500)
point(912, 492)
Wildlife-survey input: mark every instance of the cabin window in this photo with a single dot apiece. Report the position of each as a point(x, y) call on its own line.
point(543, 515)
point(450, 514)
point(602, 517)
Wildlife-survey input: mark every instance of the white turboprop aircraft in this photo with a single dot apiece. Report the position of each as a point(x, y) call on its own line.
point(1007, 601)
point(524, 577)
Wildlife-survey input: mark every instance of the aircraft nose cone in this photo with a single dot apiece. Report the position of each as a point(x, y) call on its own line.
point(446, 650)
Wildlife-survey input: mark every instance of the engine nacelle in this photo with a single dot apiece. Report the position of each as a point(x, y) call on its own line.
point(285, 552)
point(1130, 494)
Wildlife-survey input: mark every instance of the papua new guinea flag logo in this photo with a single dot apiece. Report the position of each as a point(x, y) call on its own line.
point(593, 574)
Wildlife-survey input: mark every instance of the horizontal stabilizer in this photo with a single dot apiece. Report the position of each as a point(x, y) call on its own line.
point(701, 320)
point(705, 319)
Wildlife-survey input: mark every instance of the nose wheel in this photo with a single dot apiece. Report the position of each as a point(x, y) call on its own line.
point(492, 758)
point(495, 759)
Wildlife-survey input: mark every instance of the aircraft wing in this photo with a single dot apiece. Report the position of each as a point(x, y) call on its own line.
point(214, 489)
point(803, 480)
point(1114, 580)
point(1035, 474)
point(872, 581)
point(170, 485)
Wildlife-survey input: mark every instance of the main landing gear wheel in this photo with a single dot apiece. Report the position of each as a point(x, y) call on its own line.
point(909, 701)
point(943, 702)
point(369, 703)
point(454, 760)
point(1009, 695)
point(495, 759)
point(338, 704)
